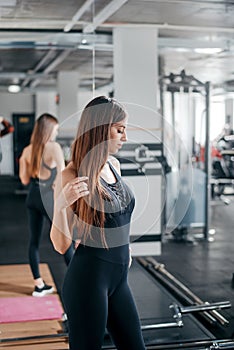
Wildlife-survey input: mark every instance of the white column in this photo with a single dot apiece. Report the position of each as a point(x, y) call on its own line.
point(45, 102)
point(136, 66)
point(136, 86)
point(67, 84)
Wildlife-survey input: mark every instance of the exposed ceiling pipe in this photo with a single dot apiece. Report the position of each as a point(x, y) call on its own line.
point(35, 46)
point(200, 2)
point(78, 15)
point(20, 75)
point(47, 57)
point(49, 68)
point(37, 24)
point(169, 26)
point(102, 42)
point(102, 16)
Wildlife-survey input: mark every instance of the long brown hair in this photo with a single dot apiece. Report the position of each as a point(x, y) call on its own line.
point(41, 134)
point(89, 155)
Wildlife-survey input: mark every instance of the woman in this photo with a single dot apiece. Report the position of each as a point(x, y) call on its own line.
point(39, 164)
point(93, 201)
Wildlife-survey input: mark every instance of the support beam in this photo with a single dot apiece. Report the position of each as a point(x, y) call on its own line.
point(49, 68)
point(104, 14)
point(78, 15)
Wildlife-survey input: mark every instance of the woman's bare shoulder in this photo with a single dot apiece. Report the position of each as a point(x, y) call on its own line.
point(27, 152)
point(52, 146)
point(115, 162)
point(69, 173)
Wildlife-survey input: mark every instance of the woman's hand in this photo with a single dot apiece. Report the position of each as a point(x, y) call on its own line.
point(68, 193)
point(75, 189)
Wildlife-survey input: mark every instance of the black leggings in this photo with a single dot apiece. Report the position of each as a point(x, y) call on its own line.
point(97, 296)
point(36, 222)
point(37, 214)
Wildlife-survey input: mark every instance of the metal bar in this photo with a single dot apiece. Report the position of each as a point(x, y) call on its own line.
point(102, 16)
point(195, 298)
point(205, 307)
point(207, 164)
point(228, 345)
point(78, 15)
point(171, 282)
point(163, 188)
point(209, 318)
point(199, 345)
point(61, 57)
point(181, 82)
point(161, 325)
point(35, 337)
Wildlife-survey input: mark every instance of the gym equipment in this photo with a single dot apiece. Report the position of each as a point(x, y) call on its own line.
point(178, 312)
point(181, 291)
point(184, 210)
point(142, 166)
point(222, 167)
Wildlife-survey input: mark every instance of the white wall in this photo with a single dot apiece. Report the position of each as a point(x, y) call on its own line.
point(9, 104)
point(45, 102)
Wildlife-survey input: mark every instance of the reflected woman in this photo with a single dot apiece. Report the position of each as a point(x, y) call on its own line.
point(40, 163)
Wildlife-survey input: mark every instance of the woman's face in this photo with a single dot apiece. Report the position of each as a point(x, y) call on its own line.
point(54, 132)
point(117, 136)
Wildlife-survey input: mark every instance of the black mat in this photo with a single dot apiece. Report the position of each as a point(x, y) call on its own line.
point(153, 303)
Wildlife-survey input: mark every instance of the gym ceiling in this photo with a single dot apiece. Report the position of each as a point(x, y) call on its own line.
point(39, 38)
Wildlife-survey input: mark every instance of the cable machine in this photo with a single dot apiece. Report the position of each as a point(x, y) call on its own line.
point(188, 183)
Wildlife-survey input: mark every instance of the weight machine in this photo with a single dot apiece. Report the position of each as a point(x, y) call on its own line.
point(188, 184)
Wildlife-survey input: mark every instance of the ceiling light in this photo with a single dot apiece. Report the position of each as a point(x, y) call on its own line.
point(208, 50)
point(181, 49)
point(14, 88)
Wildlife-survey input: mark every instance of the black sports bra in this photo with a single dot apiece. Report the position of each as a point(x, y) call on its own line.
point(118, 212)
point(122, 198)
point(45, 183)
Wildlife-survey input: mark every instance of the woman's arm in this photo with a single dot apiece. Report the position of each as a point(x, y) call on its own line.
point(23, 167)
point(61, 230)
point(68, 189)
point(58, 156)
point(8, 128)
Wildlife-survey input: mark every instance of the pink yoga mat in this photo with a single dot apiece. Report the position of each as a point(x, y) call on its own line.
point(22, 309)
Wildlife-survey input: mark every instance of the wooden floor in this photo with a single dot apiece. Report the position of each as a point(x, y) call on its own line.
point(16, 280)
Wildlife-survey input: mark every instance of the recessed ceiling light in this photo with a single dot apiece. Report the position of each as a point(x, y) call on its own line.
point(181, 49)
point(208, 50)
point(14, 88)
